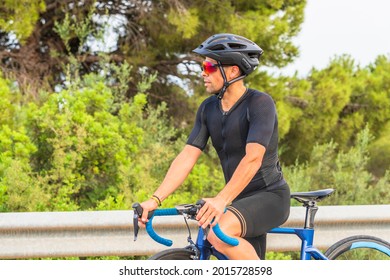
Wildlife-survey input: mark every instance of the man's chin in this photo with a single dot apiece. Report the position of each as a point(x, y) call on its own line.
point(212, 91)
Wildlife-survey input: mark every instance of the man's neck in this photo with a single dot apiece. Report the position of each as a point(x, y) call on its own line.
point(233, 93)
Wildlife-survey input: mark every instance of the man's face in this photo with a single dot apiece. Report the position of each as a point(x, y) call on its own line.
point(212, 77)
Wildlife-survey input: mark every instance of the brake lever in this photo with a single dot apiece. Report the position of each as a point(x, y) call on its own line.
point(138, 214)
point(200, 203)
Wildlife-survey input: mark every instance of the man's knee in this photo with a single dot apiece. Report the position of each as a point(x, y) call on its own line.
point(217, 243)
point(230, 225)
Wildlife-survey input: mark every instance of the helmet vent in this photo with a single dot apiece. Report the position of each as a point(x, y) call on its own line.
point(218, 47)
point(237, 46)
point(254, 55)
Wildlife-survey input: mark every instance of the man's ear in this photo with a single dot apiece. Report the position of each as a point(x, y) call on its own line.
point(235, 72)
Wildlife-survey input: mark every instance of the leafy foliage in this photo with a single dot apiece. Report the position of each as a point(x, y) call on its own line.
point(13, 11)
point(345, 172)
point(87, 127)
point(76, 150)
point(36, 49)
point(332, 104)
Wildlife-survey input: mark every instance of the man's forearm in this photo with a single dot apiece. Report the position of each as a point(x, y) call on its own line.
point(178, 171)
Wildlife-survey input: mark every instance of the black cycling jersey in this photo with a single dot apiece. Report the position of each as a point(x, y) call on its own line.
point(252, 119)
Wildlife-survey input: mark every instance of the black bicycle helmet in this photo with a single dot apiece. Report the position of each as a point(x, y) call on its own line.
point(231, 49)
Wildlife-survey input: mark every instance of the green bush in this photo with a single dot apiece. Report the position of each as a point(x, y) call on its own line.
point(346, 172)
point(81, 149)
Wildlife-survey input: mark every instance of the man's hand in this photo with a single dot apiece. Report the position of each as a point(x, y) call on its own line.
point(211, 212)
point(147, 206)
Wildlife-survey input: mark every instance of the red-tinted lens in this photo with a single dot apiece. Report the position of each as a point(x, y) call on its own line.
point(209, 67)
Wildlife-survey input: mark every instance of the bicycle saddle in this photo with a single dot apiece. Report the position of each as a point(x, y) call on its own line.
point(312, 195)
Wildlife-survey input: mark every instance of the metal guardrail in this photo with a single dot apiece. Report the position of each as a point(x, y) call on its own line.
point(110, 233)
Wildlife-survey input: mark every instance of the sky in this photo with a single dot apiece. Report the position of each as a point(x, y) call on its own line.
point(360, 28)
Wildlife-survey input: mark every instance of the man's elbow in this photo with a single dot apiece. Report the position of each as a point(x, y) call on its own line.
point(255, 153)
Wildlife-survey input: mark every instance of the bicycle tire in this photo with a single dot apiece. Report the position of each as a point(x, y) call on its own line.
point(174, 254)
point(359, 247)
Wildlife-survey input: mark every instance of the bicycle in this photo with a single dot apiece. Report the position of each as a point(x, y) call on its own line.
point(350, 248)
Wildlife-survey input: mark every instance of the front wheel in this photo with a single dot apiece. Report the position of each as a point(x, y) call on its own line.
point(360, 247)
point(175, 254)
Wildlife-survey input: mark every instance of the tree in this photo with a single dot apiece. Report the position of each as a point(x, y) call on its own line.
point(35, 49)
point(332, 104)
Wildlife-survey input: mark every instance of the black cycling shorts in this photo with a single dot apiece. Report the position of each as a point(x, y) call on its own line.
point(260, 211)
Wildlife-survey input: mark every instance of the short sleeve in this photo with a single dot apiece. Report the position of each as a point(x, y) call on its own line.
point(262, 118)
point(199, 134)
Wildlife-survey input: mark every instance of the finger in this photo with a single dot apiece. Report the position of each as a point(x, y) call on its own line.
point(141, 224)
point(217, 217)
point(208, 221)
point(144, 217)
point(207, 218)
point(203, 219)
point(202, 212)
point(216, 220)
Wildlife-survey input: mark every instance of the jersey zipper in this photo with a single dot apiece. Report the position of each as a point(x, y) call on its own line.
point(223, 132)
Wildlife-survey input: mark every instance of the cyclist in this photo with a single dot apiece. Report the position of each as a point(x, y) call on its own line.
point(243, 127)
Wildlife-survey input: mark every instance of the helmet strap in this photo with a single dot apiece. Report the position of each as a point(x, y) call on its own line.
point(226, 84)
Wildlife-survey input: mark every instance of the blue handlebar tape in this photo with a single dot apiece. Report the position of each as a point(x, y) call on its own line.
point(173, 212)
point(225, 238)
point(150, 230)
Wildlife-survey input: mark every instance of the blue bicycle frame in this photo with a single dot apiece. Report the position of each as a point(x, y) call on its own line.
point(206, 249)
point(306, 236)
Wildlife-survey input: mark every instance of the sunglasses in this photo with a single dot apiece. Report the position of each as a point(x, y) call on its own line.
point(209, 67)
